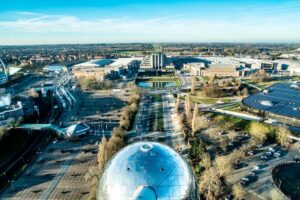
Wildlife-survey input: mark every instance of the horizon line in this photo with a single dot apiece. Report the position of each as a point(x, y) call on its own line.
point(101, 43)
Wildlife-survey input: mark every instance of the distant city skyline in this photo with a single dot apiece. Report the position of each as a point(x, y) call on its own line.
point(95, 21)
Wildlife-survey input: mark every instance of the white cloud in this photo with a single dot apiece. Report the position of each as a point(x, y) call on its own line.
point(164, 29)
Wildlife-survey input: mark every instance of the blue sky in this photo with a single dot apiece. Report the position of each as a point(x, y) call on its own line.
point(98, 21)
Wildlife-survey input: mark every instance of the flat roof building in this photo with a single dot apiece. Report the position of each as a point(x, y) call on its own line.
point(55, 68)
point(221, 70)
point(94, 63)
point(280, 101)
point(194, 68)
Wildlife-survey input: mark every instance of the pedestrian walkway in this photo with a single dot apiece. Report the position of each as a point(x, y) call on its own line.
point(57, 129)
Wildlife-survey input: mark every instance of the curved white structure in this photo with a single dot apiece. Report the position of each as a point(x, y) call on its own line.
point(3, 72)
point(267, 103)
point(148, 171)
point(294, 85)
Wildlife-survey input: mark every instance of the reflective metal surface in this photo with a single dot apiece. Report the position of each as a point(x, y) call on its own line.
point(148, 171)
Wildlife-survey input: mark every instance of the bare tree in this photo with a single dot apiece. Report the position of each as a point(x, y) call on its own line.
point(193, 86)
point(224, 165)
point(206, 161)
point(283, 136)
point(187, 106)
point(259, 131)
point(195, 120)
point(102, 154)
point(210, 184)
point(245, 92)
point(238, 191)
point(114, 144)
point(211, 80)
point(236, 155)
point(92, 176)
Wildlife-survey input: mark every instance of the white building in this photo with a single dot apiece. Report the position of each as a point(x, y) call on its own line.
point(194, 68)
point(8, 110)
point(94, 63)
point(156, 61)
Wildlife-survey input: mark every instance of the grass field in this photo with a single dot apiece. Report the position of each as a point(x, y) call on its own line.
point(204, 100)
point(264, 84)
point(156, 116)
point(267, 83)
point(228, 122)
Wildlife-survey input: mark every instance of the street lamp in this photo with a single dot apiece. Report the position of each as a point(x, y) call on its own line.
point(11, 185)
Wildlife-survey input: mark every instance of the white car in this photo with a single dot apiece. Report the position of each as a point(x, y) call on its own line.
point(277, 154)
point(245, 179)
point(271, 149)
point(269, 153)
point(252, 173)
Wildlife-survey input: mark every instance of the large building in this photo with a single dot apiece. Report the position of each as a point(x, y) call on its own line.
point(55, 68)
point(280, 102)
point(194, 68)
point(222, 70)
point(8, 110)
point(102, 69)
point(155, 62)
point(3, 72)
point(98, 69)
point(94, 63)
point(147, 170)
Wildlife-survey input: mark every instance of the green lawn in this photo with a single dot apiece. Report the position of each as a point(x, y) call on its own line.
point(268, 83)
point(156, 116)
point(235, 108)
point(228, 122)
point(204, 100)
point(263, 84)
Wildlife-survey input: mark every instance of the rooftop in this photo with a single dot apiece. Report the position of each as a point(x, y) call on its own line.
point(280, 99)
point(95, 63)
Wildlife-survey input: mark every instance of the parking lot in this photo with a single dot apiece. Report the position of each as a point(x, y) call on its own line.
point(57, 173)
point(254, 171)
point(101, 110)
point(101, 105)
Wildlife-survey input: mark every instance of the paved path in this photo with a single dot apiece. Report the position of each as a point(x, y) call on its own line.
point(251, 85)
point(237, 114)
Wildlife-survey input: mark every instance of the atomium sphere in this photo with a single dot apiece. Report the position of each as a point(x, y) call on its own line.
point(147, 171)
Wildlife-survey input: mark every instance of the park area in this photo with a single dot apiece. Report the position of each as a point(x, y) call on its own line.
point(156, 114)
point(158, 82)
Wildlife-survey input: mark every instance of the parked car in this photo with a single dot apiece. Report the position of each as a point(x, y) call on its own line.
point(252, 173)
point(268, 153)
point(277, 154)
point(271, 149)
point(264, 157)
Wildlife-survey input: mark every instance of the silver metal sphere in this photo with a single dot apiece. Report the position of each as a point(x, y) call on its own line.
point(148, 171)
